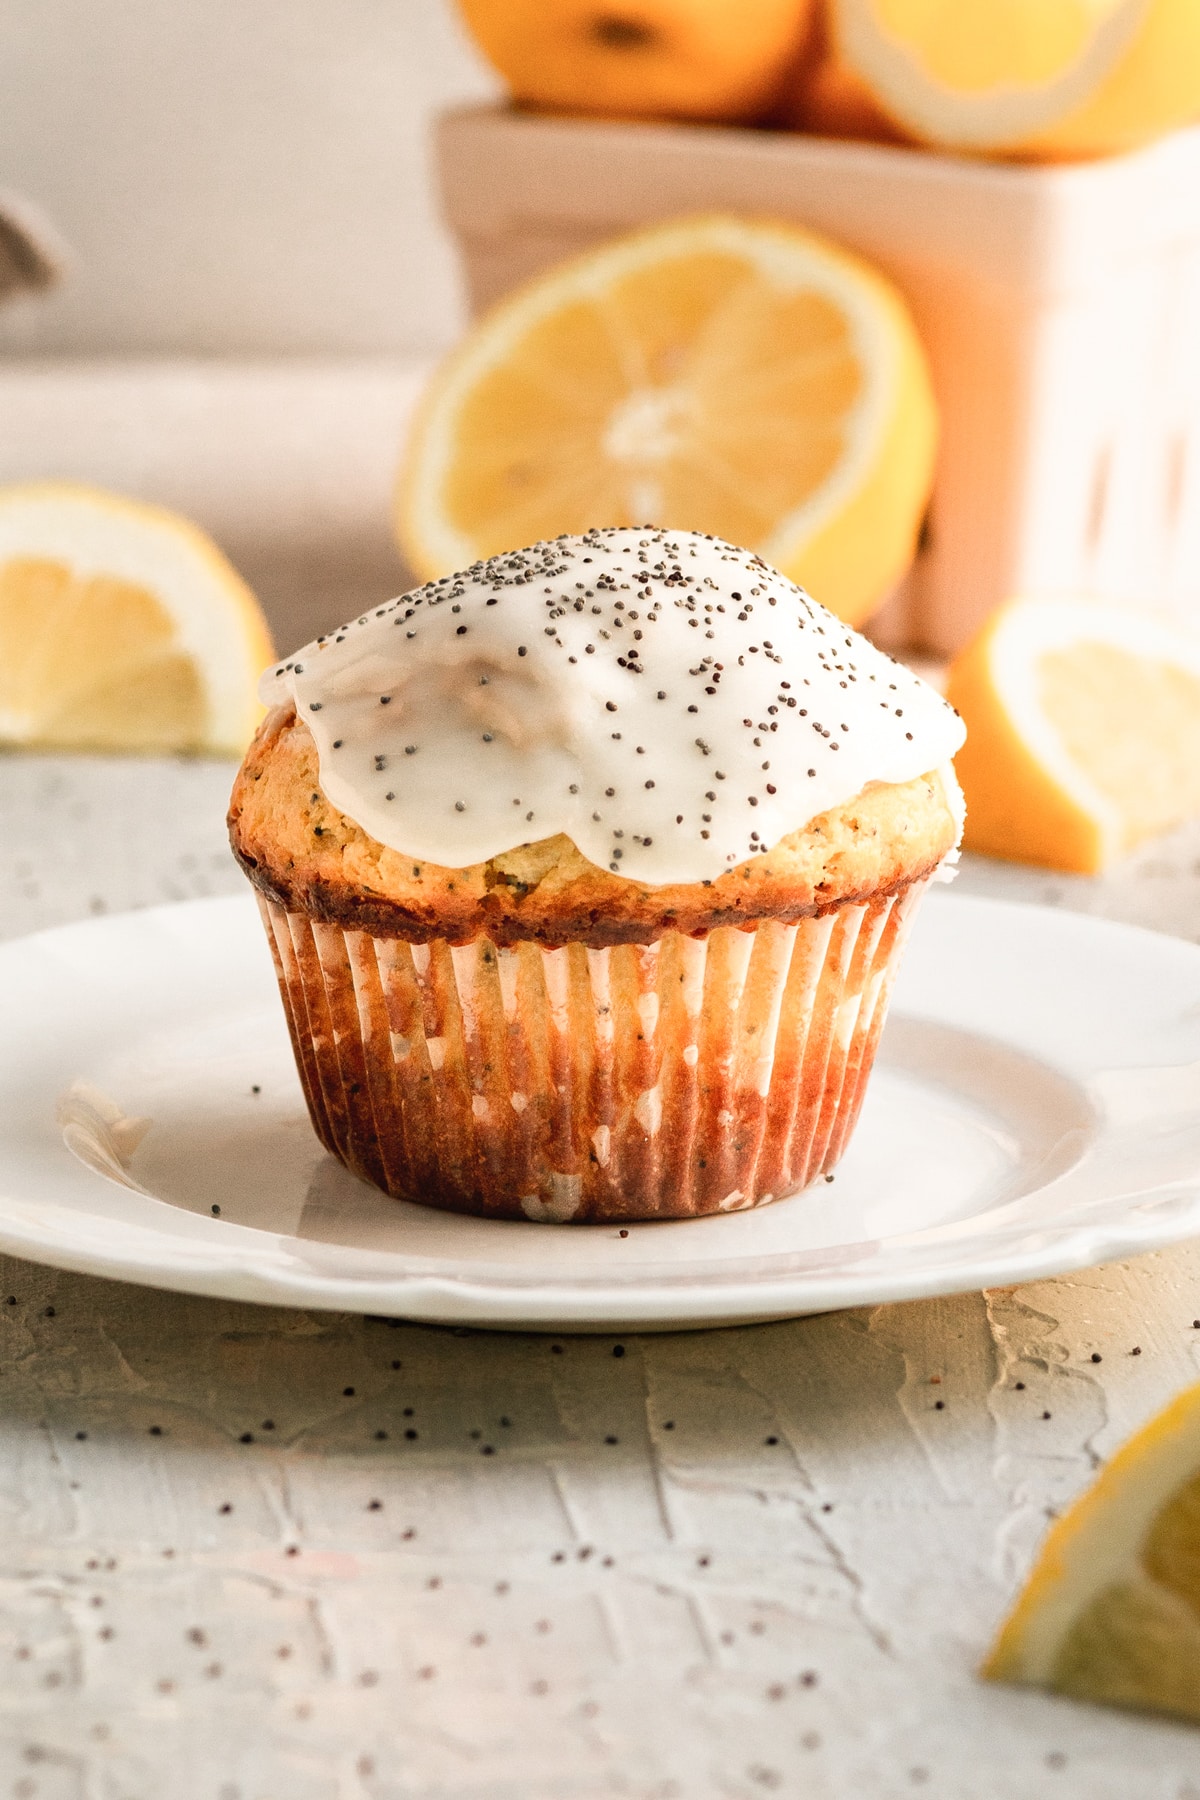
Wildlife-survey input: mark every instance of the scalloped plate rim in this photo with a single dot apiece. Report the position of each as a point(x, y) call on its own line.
point(249, 1263)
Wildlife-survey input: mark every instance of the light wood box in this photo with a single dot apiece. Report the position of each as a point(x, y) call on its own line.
point(1060, 307)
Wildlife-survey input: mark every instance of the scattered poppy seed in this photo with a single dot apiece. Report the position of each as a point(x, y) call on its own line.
point(633, 579)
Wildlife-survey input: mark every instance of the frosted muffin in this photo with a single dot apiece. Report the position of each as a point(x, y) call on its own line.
point(586, 873)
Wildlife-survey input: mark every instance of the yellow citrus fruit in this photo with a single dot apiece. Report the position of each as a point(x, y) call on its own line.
point(122, 628)
point(1111, 1612)
point(831, 100)
point(746, 379)
point(1035, 78)
point(1083, 731)
point(643, 59)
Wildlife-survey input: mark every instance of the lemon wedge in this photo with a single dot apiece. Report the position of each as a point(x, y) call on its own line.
point(1083, 731)
point(122, 628)
point(746, 379)
point(1111, 1612)
point(1038, 78)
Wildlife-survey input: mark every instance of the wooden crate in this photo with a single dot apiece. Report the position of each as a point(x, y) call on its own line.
point(1060, 307)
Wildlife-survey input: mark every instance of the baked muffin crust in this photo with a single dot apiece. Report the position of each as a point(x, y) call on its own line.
point(305, 855)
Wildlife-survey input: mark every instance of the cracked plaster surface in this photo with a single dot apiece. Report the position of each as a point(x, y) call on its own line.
point(249, 1554)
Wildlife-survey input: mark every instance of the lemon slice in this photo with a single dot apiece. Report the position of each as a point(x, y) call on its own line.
point(122, 628)
point(1111, 1612)
point(1083, 731)
point(748, 380)
point(1032, 77)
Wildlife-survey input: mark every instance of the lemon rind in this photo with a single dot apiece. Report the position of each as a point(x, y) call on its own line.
point(217, 618)
point(1097, 1543)
point(788, 254)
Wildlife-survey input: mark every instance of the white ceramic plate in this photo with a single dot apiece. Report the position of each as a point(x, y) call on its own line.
point(1035, 1108)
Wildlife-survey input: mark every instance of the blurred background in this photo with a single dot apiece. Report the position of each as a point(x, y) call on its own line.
point(236, 180)
point(237, 242)
point(248, 183)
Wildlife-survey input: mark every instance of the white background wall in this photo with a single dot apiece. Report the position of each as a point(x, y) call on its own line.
point(234, 176)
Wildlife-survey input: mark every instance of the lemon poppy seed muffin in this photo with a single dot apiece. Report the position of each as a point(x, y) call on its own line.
point(308, 856)
point(586, 872)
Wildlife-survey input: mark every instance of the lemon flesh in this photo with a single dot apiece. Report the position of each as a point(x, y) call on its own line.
point(748, 380)
point(1111, 1611)
point(122, 628)
point(1035, 78)
point(1083, 732)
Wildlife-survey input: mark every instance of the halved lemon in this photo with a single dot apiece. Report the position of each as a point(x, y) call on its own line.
point(1049, 78)
point(1111, 1612)
point(122, 628)
point(1083, 731)
point(715, 374)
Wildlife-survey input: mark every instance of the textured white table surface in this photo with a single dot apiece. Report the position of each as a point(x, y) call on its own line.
point(261, 1555)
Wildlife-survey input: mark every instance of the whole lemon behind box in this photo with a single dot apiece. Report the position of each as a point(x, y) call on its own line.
point(644, 59)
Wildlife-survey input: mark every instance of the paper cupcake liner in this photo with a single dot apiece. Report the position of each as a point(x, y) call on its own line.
point(665, 1080)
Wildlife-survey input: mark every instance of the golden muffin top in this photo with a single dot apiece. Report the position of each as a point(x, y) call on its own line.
point(307, 855)
point(665, 700)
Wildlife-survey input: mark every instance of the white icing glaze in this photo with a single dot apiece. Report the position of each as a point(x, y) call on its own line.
point(671, 703)
point(956, 801)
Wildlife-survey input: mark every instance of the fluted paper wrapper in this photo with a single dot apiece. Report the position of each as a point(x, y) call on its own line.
point(656, 1081)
